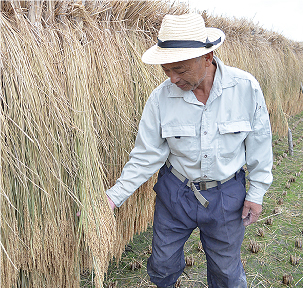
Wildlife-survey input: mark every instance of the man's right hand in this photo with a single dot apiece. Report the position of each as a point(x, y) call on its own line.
point(111, 203)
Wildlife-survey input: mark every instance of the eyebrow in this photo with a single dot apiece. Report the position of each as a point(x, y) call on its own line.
point(175, 68)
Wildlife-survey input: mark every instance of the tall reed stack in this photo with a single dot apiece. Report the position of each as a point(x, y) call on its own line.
point(73, 90)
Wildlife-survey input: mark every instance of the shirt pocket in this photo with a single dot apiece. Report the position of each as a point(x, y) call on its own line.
point(182, 140)
point(231, 138)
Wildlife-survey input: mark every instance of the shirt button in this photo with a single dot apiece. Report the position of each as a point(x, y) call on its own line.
point(205, 156)
point(205, 132)
point(205, 176)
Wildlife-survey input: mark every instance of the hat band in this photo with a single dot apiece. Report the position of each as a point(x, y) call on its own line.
point(187, 43)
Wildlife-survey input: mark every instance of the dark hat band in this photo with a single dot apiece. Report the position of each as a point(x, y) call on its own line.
point(187, 43)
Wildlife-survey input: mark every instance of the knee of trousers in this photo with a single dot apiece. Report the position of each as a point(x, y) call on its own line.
point(231, 276)
point(163, 274)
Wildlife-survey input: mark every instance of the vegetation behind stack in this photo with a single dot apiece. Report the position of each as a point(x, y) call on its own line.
point(73, 90)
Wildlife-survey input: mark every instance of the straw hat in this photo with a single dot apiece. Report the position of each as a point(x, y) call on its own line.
point(183, 37)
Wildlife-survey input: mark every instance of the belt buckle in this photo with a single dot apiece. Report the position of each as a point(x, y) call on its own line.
point(202, 185)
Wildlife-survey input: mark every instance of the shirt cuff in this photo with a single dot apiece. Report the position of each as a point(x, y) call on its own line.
point(255, 195)
point(117, 195)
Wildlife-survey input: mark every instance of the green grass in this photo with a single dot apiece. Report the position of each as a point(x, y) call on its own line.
point(282, 203)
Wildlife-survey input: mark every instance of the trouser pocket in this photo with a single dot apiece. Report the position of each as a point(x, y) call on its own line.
point(170, 189)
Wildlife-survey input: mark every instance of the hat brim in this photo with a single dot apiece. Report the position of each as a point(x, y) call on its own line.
point(157, 55)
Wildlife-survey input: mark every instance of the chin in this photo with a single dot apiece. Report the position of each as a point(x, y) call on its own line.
point(185, 87)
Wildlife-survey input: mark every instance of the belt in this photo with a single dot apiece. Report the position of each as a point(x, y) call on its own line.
point(203, 185)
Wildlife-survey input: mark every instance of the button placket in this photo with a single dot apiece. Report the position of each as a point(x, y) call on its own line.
point(204, 143)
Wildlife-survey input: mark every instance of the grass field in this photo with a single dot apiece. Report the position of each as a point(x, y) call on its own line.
point(276, 237)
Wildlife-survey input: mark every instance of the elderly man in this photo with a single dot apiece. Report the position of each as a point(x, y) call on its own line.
point(200, 127)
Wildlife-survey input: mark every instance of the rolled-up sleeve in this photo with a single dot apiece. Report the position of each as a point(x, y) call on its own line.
point(259, 158)
point(147, 157)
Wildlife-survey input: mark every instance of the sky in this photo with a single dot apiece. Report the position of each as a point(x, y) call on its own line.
point(282, 16)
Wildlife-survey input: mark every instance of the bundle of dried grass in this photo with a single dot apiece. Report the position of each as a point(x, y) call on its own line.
point(73, 90)
point(51, 166)
point(72, 95)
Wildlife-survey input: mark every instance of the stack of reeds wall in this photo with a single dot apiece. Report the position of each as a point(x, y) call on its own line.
point(73, 90)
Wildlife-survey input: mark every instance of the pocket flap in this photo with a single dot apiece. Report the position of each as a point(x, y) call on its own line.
point(180, 130)
point(234, 127)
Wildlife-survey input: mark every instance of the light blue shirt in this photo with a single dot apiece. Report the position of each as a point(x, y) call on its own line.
point(203, 142)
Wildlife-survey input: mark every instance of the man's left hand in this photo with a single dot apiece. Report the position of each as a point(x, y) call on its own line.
point(251, 212)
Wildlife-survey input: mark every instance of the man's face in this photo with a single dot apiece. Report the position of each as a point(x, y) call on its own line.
point(188, 74)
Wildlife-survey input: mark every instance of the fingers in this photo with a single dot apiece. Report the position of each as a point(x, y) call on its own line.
point(250, 218)
point(246, 220)
point(245, 211)
point(251, 212)
point(111, 203)
point(254, 217)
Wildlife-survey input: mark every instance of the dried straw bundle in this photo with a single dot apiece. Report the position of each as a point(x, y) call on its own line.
point(72, 98)
point(51, 166)
point(73, 90)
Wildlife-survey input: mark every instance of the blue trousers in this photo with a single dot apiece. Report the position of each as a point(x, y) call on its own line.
point(178, 213)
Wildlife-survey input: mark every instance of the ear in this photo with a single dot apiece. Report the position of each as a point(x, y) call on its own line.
point(209, 58)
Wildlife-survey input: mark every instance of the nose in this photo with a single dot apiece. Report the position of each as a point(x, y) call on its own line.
point(174, 77)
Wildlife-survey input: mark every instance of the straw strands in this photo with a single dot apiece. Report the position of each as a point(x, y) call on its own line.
point(73, 90)
point(71, 102)
point(51, 166)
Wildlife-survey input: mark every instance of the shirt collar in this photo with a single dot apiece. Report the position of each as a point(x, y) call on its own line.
point(188, 96)
point(224, 79)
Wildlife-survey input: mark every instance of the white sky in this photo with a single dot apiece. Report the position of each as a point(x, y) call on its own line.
point(282, 16)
